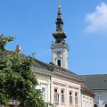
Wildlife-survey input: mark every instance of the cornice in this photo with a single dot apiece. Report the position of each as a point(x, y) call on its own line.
point(66, 77)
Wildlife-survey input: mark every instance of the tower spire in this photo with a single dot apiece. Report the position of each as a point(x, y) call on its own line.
point(59, 35)
point(59, 21)
point(59, 47)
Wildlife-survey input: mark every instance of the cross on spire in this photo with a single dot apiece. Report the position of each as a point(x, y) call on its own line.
point(59, 8)
point(59, 5)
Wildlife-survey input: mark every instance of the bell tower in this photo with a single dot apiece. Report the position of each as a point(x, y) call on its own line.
point(59, 46)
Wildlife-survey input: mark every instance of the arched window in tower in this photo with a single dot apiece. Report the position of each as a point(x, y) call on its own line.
point(59, 63)
point(105, 105)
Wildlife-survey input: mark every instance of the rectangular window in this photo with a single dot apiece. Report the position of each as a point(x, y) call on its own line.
point(43, 93)
point(62, 96)
point(76, 98)
point(70, 97)
point(56, 96)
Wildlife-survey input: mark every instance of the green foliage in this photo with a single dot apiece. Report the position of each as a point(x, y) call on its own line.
point(4, 40)
point(17, 81)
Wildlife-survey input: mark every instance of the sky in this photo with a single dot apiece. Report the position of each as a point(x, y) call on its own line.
point(32, 23)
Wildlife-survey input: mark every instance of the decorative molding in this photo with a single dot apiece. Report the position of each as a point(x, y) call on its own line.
point(63, 85)
point(41, 71)
point(70, 86)
point(55, 83)
point(60, 84)
point(67, 78)
point(77, 88)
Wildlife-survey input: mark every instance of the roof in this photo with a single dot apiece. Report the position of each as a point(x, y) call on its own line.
point(85, 90)
point(41, 65)
point(56, 70)
point(96, 82)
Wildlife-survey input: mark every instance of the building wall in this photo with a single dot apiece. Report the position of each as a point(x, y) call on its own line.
point(43, 84)
point(61, 83)
point(100, 98)
point(87, 101)
point(60, 52)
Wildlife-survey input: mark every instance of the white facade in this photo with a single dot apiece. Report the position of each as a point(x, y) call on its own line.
point(43, 77)
point(87, 101)
point(101, 98)
point(65, 93)
point(60, 54)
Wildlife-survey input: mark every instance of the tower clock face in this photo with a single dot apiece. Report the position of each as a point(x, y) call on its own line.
point(58, 53)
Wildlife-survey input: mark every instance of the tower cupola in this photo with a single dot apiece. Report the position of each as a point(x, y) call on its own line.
point(59, 35)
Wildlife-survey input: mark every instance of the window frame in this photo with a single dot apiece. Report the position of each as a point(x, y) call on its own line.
point(56, 96)
point(76, 98)
point(43, 93)
point(62, 96)
point(70, 97)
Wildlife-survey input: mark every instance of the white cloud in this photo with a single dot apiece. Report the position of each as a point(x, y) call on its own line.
point(97, 20)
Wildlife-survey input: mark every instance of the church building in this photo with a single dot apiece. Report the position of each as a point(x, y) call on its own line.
point(60, 86)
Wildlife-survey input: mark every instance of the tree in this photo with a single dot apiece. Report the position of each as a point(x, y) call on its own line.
point(17, 81)
point(4, 40)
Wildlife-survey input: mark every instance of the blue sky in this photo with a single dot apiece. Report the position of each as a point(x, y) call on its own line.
point(32, 23)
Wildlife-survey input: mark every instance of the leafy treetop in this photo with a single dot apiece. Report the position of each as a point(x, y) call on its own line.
point(4, 40)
